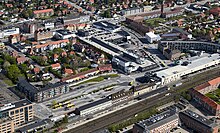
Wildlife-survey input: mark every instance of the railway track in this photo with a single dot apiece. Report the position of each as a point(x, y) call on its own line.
point(129, 111)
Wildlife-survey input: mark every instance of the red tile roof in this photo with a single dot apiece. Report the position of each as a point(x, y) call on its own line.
point(43, 11)
point(55, 65)
point(214, 81)
point(55, 56)
point(68, 71)
point(207, 100)
point(64, 53)
point(21, 59)
point(107, 67)
point(36, 70)
point(50, 43)
point(202, 86)
point(1, 13)
point(207, 84)
point(72, 52)
point(82, 75)
point(215, 11)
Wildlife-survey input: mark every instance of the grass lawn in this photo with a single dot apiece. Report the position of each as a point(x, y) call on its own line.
point(154, 22)
point(215, 95)
point(8, 82)
point(100, 78)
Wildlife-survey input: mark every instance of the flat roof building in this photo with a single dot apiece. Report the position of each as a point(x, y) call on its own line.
point(151, 37)
point(160, 123)
point(107, 26)
point(6, 125)
point(34, 127)
point(20, 112)
point(93, 107)
point(189, 66)
point(197, 122)
point(39, 94)
point(64, 34)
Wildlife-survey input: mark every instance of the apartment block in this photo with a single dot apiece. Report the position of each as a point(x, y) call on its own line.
point(43, 34)
point(43, 13)
point(161, 123)
point(6, 125)
point(39, 94)
point(20, 112)
point(197, 122)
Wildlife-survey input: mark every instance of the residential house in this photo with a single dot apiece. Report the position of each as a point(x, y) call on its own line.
point(36, 70)
point(64, 54)
point(14, 54)
point(68, 72)
point(56, 66)
point(21, 59)
point(55, 57)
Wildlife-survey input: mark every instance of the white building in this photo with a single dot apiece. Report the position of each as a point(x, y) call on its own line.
point(49, 25)
point(104, 25)
point(151, 37)
point(188, 67)
point(8, 32)
point(64, 34)
point(93, 107)
point(124, 64)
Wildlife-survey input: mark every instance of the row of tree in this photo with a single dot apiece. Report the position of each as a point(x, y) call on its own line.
point(12, 70)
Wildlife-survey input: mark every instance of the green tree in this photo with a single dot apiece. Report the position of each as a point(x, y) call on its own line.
point(1, 61)
point(107, 14)
point(24, 68)
point(9, 58)
point(6, 65)
point(65, 119)
point(65, 60)
point(54, 102)
point(57, 51)
point(13, 73)
point(69, 46)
